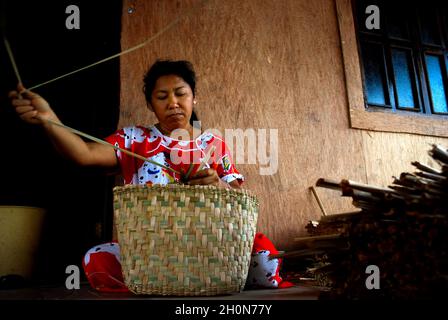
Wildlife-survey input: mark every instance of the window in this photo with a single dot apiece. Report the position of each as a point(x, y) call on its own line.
point(397, 75)
point(404, 61)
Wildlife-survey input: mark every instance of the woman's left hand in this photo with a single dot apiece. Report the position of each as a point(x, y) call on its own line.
point(207, 177)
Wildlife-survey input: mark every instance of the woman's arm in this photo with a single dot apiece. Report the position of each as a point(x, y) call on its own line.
point(33, 109)
point(234, 184)
point(210, 177)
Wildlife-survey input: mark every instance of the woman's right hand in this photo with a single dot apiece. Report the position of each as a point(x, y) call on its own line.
point(31, 107)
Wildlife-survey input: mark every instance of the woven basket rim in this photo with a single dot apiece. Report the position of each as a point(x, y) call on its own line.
point(231, 191)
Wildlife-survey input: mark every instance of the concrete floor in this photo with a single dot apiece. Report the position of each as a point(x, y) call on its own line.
point(86, 293)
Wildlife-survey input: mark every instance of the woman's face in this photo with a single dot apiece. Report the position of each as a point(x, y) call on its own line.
point(172, 102)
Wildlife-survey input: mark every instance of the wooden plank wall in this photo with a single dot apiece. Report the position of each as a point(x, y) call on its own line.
point(267, 64)
point(389, 154)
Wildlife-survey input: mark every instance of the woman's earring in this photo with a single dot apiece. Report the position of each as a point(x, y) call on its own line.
point(194, 102)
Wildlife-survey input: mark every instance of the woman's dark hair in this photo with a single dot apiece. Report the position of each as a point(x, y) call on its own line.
point(181, 68)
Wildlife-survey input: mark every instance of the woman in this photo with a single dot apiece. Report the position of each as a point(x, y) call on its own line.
point(169, 88)
point(170, 93)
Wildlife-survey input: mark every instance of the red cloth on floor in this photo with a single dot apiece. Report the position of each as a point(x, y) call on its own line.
point(265, 272)
point(103, 269)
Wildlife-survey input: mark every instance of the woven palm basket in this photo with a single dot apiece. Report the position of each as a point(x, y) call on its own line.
point(185, 240)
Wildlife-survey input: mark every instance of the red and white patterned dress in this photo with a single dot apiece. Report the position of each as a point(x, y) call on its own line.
point(173, 153)
point(102, 263)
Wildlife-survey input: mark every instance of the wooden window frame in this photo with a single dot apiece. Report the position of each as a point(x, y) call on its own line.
point(372, 119)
